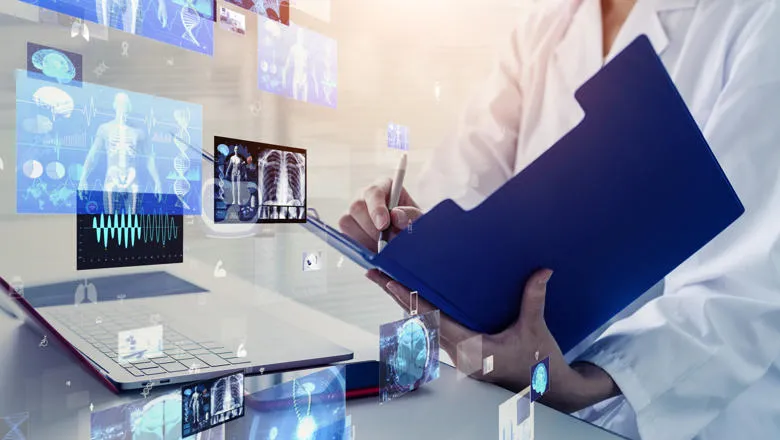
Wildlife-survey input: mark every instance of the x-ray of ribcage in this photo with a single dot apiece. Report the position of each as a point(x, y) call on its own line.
point(227, 394)
point(282, 185)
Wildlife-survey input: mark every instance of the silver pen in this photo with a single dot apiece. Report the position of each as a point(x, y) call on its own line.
point(395, 196)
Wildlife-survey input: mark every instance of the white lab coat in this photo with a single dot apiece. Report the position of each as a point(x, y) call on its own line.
point(702, 360)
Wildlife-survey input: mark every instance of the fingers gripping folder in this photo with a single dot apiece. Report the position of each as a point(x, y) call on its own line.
point(611, 208)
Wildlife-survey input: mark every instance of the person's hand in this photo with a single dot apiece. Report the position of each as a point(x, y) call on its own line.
point(515, 349)
point(368, 215)
point(162, 13)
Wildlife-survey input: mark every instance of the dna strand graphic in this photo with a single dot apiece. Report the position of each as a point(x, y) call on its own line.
point(190, 19)
point(181, 163)
point(126, 229)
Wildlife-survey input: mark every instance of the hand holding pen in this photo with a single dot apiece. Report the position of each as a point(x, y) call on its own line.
point(375, 212)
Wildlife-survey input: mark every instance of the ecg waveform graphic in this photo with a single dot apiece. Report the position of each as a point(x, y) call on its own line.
point(125, 229)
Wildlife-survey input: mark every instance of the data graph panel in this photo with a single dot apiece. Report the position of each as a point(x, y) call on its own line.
point(129, 234)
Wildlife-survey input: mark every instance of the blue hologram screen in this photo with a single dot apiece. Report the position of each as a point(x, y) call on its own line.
point(71, 116)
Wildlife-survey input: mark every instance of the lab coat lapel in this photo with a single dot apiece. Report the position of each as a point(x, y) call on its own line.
point(577, 56)
point(645, 19)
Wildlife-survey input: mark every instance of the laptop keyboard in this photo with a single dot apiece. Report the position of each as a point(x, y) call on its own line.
point(180, 353)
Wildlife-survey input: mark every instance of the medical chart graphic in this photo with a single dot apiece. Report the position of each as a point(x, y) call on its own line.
point(97, 138)
point(188, 24)
point(210, 403)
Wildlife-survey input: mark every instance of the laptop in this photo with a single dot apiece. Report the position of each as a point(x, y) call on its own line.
point(142, 337)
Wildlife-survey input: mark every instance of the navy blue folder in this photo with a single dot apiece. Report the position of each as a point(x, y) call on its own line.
point(611, 208)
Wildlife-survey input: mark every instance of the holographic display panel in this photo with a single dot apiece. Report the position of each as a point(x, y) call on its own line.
point(397, 137)
point(408, 354)
point(515, 421)
point(175, 22)
point(91, 138)
point(258, 183)
point(312, 407)
point(210, 403)
point(276, 10)
point(153, 418)
point(55, 65)
point(122, 229)
point(297, 63)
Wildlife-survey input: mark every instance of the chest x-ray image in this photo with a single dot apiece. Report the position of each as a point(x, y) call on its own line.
point(258, 183)
point(210, 403)
point(183, 23)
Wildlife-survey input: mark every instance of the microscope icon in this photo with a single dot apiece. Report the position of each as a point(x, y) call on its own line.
point(84, 291)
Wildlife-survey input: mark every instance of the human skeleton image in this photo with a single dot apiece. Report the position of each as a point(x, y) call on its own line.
point(121, 144)
point(258, 183)
point(210, 403)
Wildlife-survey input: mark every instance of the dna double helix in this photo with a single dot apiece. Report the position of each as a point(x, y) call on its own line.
point(181, 163)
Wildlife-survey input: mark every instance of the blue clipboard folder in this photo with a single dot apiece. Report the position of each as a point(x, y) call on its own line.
point(611, 208)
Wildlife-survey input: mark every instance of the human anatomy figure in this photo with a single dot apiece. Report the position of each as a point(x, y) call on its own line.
point(234, 169)
point(195, 406)
point(298, 59)
point(123, 14)
point(121, 144)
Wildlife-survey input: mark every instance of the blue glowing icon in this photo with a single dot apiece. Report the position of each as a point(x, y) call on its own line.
point(540, 382)
point(54, 64)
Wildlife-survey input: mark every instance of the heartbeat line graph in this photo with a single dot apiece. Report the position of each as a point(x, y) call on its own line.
point(127, 228)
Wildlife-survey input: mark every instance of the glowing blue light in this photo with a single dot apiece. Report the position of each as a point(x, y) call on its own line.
point(540, 378)
point(306, 428)
point(54, 64)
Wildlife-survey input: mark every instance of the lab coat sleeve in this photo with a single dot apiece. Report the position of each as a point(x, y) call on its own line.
point(479, 155)
point(682, 358)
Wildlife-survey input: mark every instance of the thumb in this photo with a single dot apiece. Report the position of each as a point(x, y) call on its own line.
point(403, 215)
point(534, 294)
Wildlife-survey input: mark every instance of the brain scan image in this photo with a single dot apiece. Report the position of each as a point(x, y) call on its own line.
point(312, 407)
point(54, 65)
point(408, 354)
point(540, 379)
point(147, 419)
point(258, 183)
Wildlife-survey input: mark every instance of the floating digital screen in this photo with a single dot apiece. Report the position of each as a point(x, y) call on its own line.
point(540, 379)
point(515, 421)
point(210, 403)
point(181, 23)
point(408, 354)
point(276, 10)
point(139, 343)
point(397, 137)
point(233, 21)
point(93, 137)
point(55, 65)
point(312, 407)
point(15, 426)
point(121, 229)
point(297, 63)
point(258, 183)
point(154, 418)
